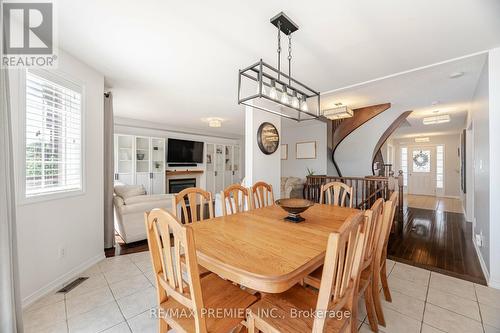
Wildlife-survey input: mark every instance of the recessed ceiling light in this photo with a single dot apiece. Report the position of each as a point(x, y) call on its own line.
point(445, 118)
point(214, 122)
point(455, 75)
point(435, 111)
point(426, 139)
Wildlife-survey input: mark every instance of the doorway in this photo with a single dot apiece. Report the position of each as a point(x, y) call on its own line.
point(422, 170)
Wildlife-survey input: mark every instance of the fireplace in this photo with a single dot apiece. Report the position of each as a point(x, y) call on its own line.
point(177, 185)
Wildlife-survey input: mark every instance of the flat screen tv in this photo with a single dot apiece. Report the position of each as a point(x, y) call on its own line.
point(184, 151)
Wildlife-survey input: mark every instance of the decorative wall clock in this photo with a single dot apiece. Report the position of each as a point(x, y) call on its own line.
point(268, 138)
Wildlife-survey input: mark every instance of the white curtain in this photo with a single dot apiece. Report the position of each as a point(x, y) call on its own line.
point(10, 303)
point(109, 229)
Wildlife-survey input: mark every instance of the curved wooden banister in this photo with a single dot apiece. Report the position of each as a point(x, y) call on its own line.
point(341, 129)
point(377, 154)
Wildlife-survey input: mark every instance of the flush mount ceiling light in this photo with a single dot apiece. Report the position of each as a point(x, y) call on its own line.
point(456, 75)
point(267, 88)
point(338, 112)
point(422, 139)
point(445, 118)
point(214, 122)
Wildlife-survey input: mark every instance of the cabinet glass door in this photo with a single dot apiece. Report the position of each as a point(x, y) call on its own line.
point(219, 168)
point(228, 166)
point(158, 165)
point(210, 162)
point(124, 158)
point(142, 162)
point(236, 165)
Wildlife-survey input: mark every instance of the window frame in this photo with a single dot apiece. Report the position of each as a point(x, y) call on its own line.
point(405, 175)
point(67, 81)
point(441, 189)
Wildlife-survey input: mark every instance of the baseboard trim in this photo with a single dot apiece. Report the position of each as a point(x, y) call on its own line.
point(61, 281)
point(484, 268)
point(494, 284)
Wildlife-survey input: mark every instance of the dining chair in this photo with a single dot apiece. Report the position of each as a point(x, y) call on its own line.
point(380, 263)
point(342, 263)
point(262, 195)
point(184, 304)
point(194, 197)
point(364, 284)
point(337, 194)
point(235, 199)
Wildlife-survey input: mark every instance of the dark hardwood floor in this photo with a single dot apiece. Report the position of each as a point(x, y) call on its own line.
point(121, 248)
point(438, 241)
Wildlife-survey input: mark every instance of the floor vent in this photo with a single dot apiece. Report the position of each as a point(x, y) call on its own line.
point(72, 285)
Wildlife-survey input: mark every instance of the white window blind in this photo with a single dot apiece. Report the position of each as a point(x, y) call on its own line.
point(53, 136)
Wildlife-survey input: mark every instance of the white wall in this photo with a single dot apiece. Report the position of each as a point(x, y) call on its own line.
point(145, 128)
point(480, 118)
point(494, 130)
point(259, 166)
point(451, 159)
point(311, 131)
point(354, 154)
point(73, 223)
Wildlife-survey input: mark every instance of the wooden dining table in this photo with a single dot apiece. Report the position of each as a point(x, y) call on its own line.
point(260, 250)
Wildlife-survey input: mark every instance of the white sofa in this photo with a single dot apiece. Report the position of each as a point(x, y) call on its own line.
point(130, 203)
point(292, 187)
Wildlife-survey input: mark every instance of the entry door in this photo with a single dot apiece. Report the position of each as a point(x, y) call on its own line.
point(422, 170)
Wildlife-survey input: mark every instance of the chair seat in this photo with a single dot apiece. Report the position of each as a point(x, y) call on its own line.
point(201, 270)
point(280, 308)
point(218, 295)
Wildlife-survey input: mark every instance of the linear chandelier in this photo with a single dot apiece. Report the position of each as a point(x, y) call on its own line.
point(267, 88)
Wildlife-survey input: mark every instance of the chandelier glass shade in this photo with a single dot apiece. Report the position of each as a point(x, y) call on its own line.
point(259, 87)
point(267, 88)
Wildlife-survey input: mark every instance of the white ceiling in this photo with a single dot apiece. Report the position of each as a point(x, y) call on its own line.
point(176, 62)
point(418, 91)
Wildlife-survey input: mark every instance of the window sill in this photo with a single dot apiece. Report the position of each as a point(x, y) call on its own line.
point(23, 200)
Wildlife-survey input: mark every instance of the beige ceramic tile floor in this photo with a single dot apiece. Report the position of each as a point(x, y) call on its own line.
point(433, 203)
point(120, 291)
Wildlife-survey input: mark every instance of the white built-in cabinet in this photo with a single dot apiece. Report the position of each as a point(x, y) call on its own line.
point(140, 160)
point(222, 166)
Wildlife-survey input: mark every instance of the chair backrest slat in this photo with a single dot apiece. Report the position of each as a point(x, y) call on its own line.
point(373, 220)
point(387, 221)
point(166, 257)
point(341, 269)
point(262, 195)
point(195, 197)
point(336, 193)
point(236, 198)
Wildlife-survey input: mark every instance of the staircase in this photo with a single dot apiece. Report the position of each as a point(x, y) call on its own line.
point(341, 128)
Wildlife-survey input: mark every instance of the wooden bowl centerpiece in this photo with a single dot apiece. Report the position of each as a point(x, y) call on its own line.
point(294, 207)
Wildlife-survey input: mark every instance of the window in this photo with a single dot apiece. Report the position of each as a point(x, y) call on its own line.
point(53, 132)
point(439, 166)
point(421, 161)
point(404, 165)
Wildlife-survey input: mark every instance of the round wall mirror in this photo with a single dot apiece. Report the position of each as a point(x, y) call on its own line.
point(268, 138)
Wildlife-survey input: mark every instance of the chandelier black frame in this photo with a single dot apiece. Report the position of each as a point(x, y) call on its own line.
point(298, 97)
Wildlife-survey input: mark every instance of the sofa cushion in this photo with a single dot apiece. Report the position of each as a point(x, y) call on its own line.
point(147, 198)
point(127, 191)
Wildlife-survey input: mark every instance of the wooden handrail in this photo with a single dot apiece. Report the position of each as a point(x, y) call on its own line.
point(366, 189)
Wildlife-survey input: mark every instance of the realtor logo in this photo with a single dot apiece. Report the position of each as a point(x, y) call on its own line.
point(28, 31)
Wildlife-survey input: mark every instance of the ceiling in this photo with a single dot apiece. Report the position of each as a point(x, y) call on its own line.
point(426, 92)
point(176, 62)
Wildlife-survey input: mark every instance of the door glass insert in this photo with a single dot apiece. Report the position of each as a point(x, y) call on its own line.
point(421, 161)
